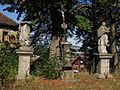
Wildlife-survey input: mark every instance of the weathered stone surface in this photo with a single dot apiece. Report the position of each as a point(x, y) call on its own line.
point(101, 76)
point(24, 63)
point(24, 35)
point(68, 75)
point(102, 38)
point(103, 67)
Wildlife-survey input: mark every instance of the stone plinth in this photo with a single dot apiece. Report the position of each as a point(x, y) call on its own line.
point(66, 54)
point(24, 63)
point(68, 75)
point(103, 66)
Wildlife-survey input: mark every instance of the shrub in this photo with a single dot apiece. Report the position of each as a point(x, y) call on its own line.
point(8, 64)
point(45, 66)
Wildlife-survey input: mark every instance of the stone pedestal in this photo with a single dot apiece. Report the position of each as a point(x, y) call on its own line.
point(66, 54)
point(103, 66)
point(68, 75)
point(24, 63)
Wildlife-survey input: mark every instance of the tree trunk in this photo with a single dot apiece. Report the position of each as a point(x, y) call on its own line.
point(113, 48)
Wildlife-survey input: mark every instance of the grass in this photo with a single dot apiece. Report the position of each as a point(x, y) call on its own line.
point(87, 82)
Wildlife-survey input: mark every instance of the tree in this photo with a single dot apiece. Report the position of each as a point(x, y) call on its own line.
point(97, 11)
point(46, 19)
point(44, 15)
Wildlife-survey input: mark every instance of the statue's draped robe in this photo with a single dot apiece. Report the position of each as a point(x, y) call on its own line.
point(24, 35)
point(102, 39)
point(12, 36)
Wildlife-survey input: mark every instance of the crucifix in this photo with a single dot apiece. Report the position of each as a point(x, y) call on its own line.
point(63, 25)
point(62, 10)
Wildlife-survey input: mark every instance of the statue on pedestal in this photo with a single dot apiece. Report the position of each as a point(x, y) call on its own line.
point(24, 33)
point(102, 38)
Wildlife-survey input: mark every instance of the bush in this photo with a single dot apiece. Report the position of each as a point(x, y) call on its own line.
point(45, 66)
point(8, 64)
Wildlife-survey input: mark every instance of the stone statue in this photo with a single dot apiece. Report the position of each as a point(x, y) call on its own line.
point(24, 33)
point(12, 36)
point(102, 38)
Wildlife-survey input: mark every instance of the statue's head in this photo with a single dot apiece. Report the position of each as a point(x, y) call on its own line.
point(24, 22)
point(103, 23)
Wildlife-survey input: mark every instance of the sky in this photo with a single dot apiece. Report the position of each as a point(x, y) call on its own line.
point(13, 16)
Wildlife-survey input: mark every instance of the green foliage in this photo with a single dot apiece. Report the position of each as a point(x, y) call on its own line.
point(51, 68)
point(83, 23)
point(8, 64)
point(45, 66)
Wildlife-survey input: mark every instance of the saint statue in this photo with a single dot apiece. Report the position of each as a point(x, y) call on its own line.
point(24, 33)
point(103, 38)
point(12, 38)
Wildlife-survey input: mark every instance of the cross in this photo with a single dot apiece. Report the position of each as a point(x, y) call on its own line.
point(62, 10)
point(63, 25)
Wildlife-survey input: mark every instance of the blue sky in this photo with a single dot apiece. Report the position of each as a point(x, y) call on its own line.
point(10, 15)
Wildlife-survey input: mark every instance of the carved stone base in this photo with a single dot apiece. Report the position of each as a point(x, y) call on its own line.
point(68, 75)
point(109, 76)
point(103, 66)
point(102, 76)
point(24, 63)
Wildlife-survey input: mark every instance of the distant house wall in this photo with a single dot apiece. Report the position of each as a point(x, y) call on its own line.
point(78, 62)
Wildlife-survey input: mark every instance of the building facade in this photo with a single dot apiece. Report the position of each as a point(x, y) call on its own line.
point(8, 30)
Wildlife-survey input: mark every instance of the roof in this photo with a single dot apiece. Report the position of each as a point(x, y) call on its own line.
point(76, 48)
point(77, 58)
point(7, 21)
